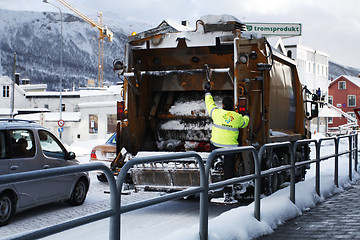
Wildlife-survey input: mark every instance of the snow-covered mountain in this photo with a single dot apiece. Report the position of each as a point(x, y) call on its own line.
point(35, 37)
point(336, 70)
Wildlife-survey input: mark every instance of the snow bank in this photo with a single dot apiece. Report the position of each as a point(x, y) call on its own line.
point(240, 223)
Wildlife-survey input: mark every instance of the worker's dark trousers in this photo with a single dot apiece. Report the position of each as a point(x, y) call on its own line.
point(229, 167)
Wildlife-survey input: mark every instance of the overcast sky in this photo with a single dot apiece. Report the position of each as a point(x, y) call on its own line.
point(329, 26)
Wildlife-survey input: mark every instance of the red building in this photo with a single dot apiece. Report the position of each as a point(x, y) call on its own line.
point(344, 93)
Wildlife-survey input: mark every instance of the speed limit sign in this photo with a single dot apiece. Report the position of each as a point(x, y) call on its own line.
point(61, 123)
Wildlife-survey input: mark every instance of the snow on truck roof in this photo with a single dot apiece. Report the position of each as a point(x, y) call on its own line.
point(206, 24)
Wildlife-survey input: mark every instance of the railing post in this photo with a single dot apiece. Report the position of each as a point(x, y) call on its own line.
point(257, 186)
point(336, 169)
point(350, 157)
point(292, 173)
point(317, 175)
point(356, 151)
point(204, 204)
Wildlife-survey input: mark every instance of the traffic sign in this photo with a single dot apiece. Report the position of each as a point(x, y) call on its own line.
point(61, 123)
point(60, 129)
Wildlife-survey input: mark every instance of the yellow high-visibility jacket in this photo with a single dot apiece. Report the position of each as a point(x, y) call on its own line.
point(226, 124)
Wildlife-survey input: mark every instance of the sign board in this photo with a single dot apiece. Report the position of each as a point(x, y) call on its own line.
point(61, 123)
point(60, 129)
point(275, 29)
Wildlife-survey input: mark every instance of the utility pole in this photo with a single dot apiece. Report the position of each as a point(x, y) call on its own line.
point(61, 67)
point(12, 101)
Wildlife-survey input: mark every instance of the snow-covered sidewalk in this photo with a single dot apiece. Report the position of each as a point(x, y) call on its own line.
point(240, 223)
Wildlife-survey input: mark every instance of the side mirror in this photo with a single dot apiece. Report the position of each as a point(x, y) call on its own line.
point(71, 156)
point(314, 109)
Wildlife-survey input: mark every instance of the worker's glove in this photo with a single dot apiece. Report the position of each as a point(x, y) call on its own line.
point(207, 87)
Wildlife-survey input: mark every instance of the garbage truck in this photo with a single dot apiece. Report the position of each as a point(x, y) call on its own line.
point(164, 71)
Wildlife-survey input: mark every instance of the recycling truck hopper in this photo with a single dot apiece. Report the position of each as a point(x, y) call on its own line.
point(165, 70)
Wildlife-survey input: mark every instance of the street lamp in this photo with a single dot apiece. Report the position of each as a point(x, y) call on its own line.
point(61, 52)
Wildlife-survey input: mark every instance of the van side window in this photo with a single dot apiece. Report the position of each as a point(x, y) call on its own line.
point(51, 147)
point(2, 145)
point(22, 144)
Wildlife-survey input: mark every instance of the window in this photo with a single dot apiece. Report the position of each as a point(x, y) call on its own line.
point(63, 107)
point(351, 101)
point(330, 120)
point(289, 54)
point(342, 85)
point(46, 106)
point(22, 144)
point(351, 114)
point(330, 100)
point(3, 147)
point(93, 123)
point(50, 145)
point(111, 123)
point(314, 68)
point(6, 91)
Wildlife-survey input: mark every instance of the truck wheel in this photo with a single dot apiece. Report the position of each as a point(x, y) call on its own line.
point(271, 183)
point(6, 208)
point(301, 155)
point(79, 193)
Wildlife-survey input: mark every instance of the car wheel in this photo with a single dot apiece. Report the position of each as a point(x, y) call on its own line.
point(79, 193)
point(6, 208)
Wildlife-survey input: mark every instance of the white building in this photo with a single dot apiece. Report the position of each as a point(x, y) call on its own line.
point(88, 114)
point(313, 67)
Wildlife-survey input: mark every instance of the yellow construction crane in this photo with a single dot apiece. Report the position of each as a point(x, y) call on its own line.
point(104, 32)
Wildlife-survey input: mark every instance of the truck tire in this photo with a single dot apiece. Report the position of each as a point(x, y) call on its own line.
point(7, 207)
point(271, 183)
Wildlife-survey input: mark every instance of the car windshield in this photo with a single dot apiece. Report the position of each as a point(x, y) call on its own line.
point(112, 140)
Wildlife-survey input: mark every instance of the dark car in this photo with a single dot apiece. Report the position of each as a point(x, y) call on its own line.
point(105, 153)
point(28, 146)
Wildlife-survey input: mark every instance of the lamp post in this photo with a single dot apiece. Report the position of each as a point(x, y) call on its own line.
point(61, 53)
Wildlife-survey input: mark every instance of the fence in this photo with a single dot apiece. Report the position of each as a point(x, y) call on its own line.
point(115, 188)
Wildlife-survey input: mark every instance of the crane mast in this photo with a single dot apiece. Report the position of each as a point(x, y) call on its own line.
point(104, 32)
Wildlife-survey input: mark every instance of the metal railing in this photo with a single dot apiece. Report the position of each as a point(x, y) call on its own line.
point(113, 212)
point(116, 187)
point(258, 174)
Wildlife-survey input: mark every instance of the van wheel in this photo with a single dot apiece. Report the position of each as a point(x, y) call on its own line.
point(6, 208)
point(79, 193)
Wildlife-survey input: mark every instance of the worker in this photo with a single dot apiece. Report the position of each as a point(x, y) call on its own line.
point(225, 133)
point(318, 93)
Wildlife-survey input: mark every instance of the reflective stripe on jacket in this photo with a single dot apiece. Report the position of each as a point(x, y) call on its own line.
point(226, 124)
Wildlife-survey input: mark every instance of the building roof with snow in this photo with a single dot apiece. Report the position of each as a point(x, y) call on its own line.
point(354, 80)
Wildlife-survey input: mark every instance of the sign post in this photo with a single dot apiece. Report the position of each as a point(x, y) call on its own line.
point(61, 124)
